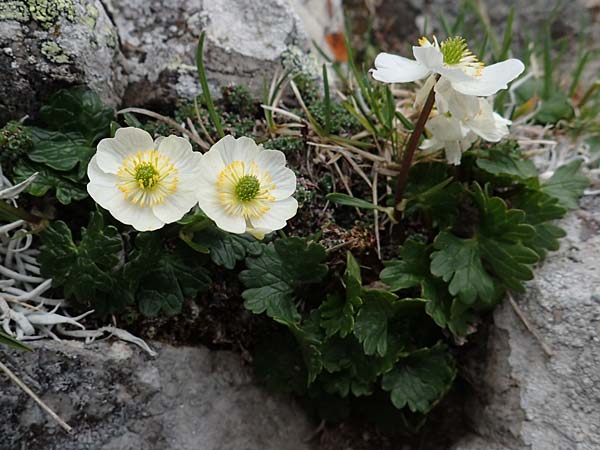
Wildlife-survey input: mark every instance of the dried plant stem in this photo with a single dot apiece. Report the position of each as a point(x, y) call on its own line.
point(169, 122)
point(409, 153)
point(38, 400)
point(20, 213)
point(528, 325)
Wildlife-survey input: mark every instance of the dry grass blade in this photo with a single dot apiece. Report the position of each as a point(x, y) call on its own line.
point(169, 122)
point(201, 122)
point(35, 398)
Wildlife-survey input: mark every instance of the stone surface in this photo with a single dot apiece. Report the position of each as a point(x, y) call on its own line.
point(117, 398)
point(245, 43)
point(45, 45)
point(140, 52)
point(526, 399)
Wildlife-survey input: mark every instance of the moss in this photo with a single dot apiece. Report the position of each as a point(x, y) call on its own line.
point(15, 142)
point(286, 144)
point(54, 53)
point(14, 11)
point(47, 12)
point(238, 100)
point(341, 119)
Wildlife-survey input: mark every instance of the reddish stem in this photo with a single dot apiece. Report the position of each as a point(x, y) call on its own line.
point(409, 153)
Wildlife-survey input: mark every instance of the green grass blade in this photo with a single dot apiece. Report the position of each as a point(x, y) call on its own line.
point(507, 41)
point(548, 69)
point(326, 101)
point(214, 117)
point(5, 339)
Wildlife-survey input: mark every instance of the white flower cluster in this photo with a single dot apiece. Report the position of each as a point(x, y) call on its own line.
point(148, 183)
point(460, 81)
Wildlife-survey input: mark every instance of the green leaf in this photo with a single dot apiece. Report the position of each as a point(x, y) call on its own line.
point(61, 151)
point(10, 341)
point(371, 326)
point(310, 345)
point(225, 249)
point(433, 194)
point(503, 164)
point(458, 261)
point(162, 280)
point(566, 185)
point(420, 379)
point(497, 243)
point(79, 110)
point(85, 268)
point(66, 190)
point(410, 270)
point(272, 277)
point(337, 315)
point(151, 303)
point(348, 200)
point(540, 208)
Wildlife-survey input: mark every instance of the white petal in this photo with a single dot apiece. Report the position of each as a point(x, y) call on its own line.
point(209, 203)
point(175, 206)
point(430, 57)
point(175, 148)
point(241, 149)
point(453, 153)
point(276, 217)
point(284, 179)
point(211, 164)
point(492, 79)
point(444, 128)
point(431, 144)
point(397, 69)
point(186, 161)
point(129, 140)
point(102, 186)
point(103, 189)
point(490, 126)
point(459, 105)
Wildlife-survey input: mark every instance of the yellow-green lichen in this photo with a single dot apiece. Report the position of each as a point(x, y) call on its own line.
point(47, 12)
point(54, 53)
point(90, 17)
point(14, 11)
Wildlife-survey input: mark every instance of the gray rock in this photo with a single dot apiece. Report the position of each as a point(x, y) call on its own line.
point(526, 399)
point(119, 399)
point(246, 42)
point(45, 45)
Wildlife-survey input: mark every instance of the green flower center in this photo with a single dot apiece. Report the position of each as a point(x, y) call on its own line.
point(454, 50)
point(146, 175)
point(247, 188)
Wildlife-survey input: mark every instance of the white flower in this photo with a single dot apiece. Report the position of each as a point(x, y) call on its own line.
point(144, 183)
point(453, 61)
point(474, 113)
point(455, 136)
point(449, 134)
point(244, 188)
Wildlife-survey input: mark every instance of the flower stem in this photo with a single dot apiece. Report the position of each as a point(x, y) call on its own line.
point(409, 153)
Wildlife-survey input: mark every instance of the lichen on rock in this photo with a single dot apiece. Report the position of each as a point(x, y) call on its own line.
point(14, 11)
point(54, 52)
point(46, 12)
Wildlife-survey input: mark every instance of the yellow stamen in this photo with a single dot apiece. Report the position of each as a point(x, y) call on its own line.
point(147, 178)
point(244, 190)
